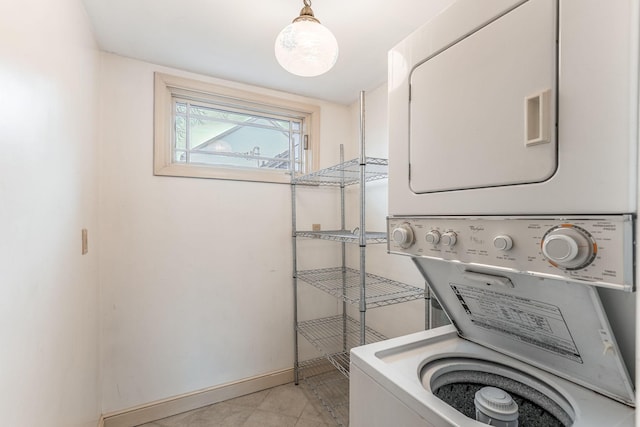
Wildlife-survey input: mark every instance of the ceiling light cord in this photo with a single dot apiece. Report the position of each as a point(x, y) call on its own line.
point(306, 13)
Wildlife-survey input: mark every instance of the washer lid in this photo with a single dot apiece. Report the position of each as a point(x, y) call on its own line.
point(558, 326)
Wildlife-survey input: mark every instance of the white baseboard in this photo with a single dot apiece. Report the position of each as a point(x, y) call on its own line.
point(187, 402)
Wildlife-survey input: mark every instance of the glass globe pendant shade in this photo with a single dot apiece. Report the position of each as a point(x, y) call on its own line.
point(306, 47)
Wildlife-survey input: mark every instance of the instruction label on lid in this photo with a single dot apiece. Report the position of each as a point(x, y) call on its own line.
point(529, 321)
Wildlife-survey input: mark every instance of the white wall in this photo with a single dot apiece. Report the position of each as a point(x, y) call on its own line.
point(48, 193)
point(195, 273)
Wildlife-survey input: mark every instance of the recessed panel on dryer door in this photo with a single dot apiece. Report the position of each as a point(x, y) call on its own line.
point(483, 110)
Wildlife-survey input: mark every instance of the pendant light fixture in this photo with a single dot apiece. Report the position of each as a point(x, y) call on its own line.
point(305, 47)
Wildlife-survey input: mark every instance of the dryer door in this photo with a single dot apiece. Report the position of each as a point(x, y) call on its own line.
point(483, 110)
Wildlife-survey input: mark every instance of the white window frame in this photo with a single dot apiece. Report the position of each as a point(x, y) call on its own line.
point(168, 87)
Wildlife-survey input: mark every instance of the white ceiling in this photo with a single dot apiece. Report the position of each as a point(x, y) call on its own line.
point(234, 39)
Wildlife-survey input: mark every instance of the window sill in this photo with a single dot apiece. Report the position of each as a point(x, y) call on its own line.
point(226, 173)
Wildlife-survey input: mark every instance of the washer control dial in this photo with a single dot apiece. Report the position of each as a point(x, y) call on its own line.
point(503, 242)
point(449, 239)
point(569, 247)
point(403, 235)
point(433, 237)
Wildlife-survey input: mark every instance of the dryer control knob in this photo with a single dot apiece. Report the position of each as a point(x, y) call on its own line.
point(433, 237)
point(569, 247)
point(503, 242)
point(403, 235)
point(449, 239)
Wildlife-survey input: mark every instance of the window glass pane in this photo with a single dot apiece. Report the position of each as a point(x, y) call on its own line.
point(228, 137)
point(180, 157)
point(180, 134)
point(204, 113)
point(181, 108)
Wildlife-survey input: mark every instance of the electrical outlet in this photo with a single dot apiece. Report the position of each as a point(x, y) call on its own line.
point(315, 227)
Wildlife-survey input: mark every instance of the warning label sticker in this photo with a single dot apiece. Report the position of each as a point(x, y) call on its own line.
point(533, 322)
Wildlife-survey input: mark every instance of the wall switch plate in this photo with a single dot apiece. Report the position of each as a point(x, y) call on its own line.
point(85, 241)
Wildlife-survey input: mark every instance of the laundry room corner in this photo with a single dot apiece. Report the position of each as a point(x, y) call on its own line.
point(195, 273)
point(319, 213)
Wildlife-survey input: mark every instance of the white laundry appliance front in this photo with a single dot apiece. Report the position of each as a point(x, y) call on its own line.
point(538, 330)
point(513, 150)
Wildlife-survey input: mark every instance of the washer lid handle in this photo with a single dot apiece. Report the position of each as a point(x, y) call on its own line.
point(488, 279)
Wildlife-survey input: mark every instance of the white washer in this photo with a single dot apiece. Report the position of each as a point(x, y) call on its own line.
point(386, 388)
point(527, 316)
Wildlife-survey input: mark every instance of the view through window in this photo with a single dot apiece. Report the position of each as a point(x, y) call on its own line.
point(209, 135)
point(207, 130)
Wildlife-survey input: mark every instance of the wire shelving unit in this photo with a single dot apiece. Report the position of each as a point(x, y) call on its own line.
point(334, 336)
point(331, 387)
point(330, 334)
point(345, 236)
point(346, 173)
point(344, 283)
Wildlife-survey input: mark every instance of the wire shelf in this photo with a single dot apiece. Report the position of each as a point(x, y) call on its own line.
point(345, 284)
point(373, 237)
point(346, 173)
point(335, 336)
point(329, 386)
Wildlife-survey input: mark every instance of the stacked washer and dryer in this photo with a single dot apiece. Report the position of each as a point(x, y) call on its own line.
point(513, 151)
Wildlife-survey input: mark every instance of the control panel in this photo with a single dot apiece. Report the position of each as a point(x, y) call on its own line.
point(594, 249)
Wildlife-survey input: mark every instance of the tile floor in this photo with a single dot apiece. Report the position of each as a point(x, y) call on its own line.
point(284, 406)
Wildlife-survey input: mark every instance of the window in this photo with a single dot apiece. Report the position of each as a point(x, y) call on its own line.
point(210, 131)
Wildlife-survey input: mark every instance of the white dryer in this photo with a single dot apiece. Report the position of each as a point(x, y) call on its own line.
point(516, 107)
